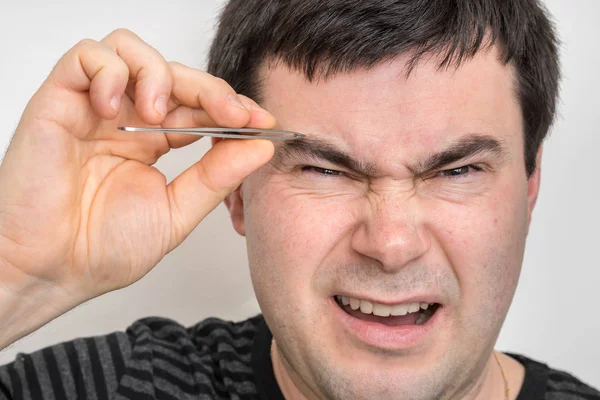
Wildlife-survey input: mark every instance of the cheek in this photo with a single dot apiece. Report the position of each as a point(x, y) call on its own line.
point(290, 234)
point(483, 242)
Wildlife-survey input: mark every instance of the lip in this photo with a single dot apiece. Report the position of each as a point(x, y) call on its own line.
point(392, 338)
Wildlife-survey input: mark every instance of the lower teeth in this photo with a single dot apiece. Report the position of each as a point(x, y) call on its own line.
point(425, 315)
point(422, 319)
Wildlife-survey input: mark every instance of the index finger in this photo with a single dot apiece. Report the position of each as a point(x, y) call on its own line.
point(184, 116)
point(200, 90)
point(149, 70)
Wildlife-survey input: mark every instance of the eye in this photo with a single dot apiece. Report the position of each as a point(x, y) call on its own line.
point(460, 171)
point(320, 171)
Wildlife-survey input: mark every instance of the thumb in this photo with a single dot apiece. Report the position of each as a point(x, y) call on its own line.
point(203, 186)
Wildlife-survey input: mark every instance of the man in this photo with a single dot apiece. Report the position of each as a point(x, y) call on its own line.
point(385, 247)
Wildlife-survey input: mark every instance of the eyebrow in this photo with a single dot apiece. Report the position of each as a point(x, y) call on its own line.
point(467, 146)
point(321, 150)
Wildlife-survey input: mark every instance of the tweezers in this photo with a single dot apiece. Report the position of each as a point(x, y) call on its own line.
point(228, 133)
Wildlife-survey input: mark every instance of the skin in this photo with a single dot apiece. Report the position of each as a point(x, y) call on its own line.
point(70, 217)
point(392, 233)
point(76, 192)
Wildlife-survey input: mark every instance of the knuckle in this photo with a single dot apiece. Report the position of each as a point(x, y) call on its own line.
point(121, 67)
point(222, 83)
point(166, 70)
point(218, 81)
point(170, 80)
point(86, 43)
point(248, 100)
point(175, 67)
point(159, 71)
point(122, 33)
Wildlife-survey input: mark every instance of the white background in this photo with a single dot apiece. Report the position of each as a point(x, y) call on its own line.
point(555, 315)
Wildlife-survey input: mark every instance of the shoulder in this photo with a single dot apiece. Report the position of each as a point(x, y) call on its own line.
point(208, 332)
point(211, 338)
point(211, 358)
point(553, 384)
point(562, 385)
point(153, 358)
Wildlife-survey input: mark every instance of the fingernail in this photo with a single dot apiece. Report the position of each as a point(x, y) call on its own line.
point(160, 105)
point(235, 100)
point(115, 103)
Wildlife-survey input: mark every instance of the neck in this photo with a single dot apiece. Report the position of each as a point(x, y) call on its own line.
point(283, 375)
point(490, 386)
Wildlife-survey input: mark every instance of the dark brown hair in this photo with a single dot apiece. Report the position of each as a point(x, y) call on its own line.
point(321, 38)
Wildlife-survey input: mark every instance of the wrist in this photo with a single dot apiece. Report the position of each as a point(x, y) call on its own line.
point(27, 303)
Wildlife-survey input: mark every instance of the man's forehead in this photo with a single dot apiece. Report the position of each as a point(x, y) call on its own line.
point(486, 66)
point(382, 114)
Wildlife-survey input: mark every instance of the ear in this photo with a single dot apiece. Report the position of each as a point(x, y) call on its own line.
point(235, 204)
point(533, 185)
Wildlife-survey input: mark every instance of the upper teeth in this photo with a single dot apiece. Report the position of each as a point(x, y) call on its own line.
point(382, 310)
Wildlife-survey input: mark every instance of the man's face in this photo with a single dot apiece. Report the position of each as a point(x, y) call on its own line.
point(405, 191)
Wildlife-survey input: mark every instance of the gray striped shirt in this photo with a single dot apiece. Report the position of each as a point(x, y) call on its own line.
point(158, 358)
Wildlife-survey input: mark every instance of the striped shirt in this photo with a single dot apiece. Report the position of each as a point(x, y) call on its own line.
point(158, 358)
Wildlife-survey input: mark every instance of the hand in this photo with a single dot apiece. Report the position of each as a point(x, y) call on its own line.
point(82, 210)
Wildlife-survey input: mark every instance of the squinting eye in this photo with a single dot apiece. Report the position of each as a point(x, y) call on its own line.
point(321, 171)
point(458, 171)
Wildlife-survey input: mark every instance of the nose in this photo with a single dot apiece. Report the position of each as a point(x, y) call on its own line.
point(391, 233)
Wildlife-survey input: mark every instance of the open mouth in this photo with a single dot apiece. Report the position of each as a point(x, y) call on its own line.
point(414, 313)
